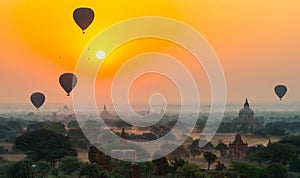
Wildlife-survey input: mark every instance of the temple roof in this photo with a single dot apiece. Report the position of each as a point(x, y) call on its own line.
point(246, 110)
point(246, 105)
point(238, 140)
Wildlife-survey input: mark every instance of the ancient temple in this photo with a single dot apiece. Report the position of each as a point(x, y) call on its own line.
point(106, 115)
point(238, 149)
point(246, 118)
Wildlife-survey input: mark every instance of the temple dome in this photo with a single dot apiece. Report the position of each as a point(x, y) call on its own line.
point(246, 117)
point(246, 112)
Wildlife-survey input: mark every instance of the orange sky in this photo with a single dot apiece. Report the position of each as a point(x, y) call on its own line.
point(256, 41)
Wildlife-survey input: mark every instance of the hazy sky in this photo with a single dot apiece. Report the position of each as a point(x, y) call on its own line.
point(257, 42)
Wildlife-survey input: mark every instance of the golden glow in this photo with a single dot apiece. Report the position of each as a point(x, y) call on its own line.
point(257, 42)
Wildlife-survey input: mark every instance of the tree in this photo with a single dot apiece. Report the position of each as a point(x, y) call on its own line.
point(281, 152)
point(121, 124)
point(276, 170)
point(187, 170)
point(121, 168)
point(295, 165)
point(15, 125)
point(35, 126)
point(73, 124)
point(242, 170)
point(210, 158)
point(220, 166)
point(294, 140)
point(56, 127)
point(194, 152)
point(42, 169)
point(3, 150)
point(209, 145)
point(69, 165)
point(222, 147)
point(4, 165)
point(275, 152)
point(162, 165)
point(21, 169)
point(190, 170)
point(44, 145)
point(175, 163)
point(6, 133)
point(148, 168)
point(257, 153)
point(77, 138)
point(195, 144)
point(91, 170)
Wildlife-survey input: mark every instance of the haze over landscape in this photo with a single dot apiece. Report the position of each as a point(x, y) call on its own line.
point(96, 89)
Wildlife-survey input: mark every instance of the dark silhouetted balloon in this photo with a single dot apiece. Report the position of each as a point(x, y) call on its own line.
point(37, 99)
point(68, 81)
point(280, 91)
point(83, 17)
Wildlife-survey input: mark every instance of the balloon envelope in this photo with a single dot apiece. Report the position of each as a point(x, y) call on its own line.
point(83, 17)
point(37, 99)
point(68, 81)
point(280, 91)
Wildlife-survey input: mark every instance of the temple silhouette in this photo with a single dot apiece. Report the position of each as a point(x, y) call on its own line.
point(246, 118)
point(238, 149)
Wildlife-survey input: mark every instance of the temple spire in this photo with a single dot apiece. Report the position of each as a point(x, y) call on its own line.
point(246, 105)
point(269, 142)
point(123, 135)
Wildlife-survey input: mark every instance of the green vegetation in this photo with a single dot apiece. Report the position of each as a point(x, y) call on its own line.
point(77, 138)
point(283, 152)
point(50, 150)
point(44, 145)
point(279, 129)
point(42, 169)
point(245, 170)
point(21, 169)
point(210, 158)
point(69, 165)
point(73, 124)
point(56, 127)
point(190, 170)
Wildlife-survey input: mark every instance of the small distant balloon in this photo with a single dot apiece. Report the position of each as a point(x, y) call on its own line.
point(83, 17)
point(68, 81)
point(37, 99)
point(280, 91)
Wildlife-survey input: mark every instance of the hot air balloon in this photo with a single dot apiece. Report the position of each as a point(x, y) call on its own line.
point(83, 17)
point(68, 81)
point(280, 91)
point(37, 99)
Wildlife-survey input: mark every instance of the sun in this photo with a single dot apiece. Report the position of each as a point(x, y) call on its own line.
point(100, 54)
